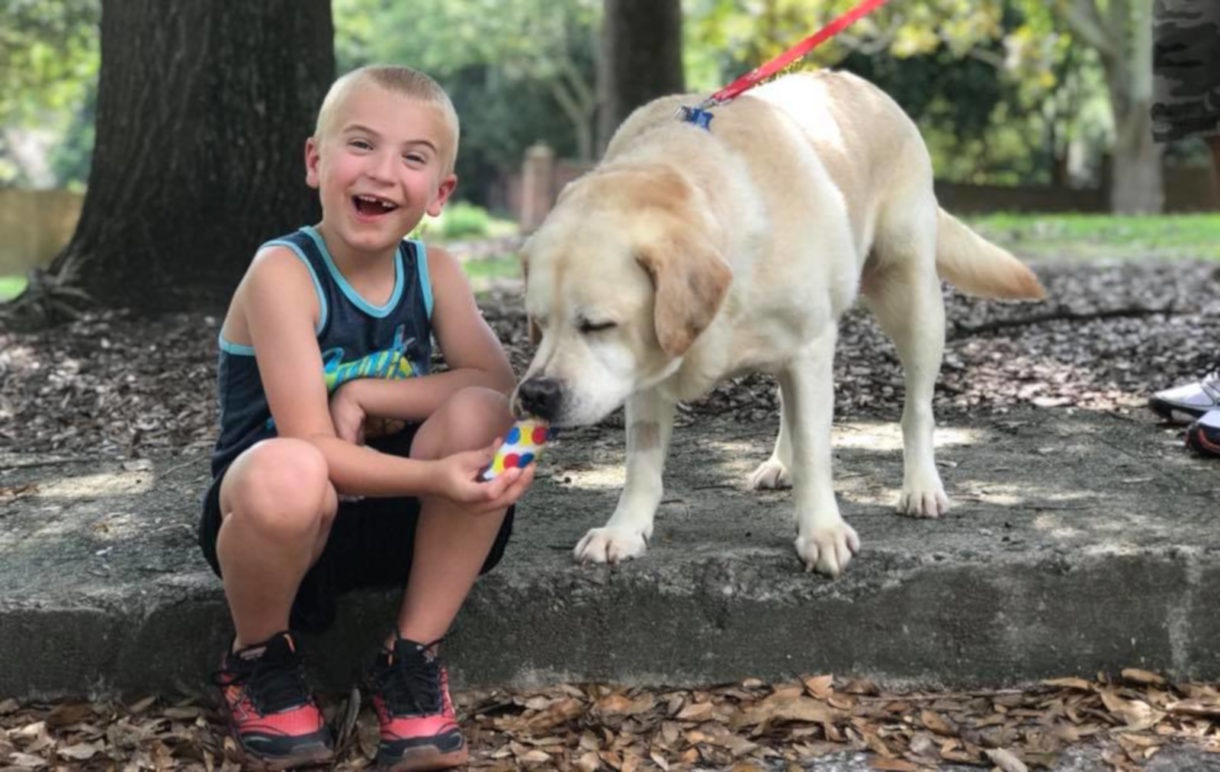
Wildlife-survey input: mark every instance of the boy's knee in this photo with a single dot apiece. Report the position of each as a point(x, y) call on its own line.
point(474, 417)
point(278, 486)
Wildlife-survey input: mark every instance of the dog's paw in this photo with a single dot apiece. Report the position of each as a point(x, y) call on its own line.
point(828, 550)
point(610, 545)
point(770, 474)
point(928, 502)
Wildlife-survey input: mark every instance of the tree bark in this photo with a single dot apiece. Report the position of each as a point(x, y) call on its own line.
point(1123, 41)
point(640, 58)
point(203, 110)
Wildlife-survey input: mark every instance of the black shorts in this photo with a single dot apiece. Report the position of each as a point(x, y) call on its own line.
point(370, 545)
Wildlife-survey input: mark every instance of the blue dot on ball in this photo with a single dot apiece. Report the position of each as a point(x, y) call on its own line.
point(525, 460)
point(514, 434)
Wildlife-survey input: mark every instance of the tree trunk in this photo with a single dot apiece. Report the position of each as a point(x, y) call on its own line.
point(1123, 40)
point(202, 115)
point(1137, 187)
point(640, 58)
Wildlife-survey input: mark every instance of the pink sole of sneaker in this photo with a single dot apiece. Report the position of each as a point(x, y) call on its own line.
point(309, 757)
point(419, 759)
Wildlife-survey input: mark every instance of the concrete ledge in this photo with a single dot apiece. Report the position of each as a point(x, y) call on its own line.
point(1079, 542)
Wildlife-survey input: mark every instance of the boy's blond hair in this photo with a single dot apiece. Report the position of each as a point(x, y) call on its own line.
point(398, 80)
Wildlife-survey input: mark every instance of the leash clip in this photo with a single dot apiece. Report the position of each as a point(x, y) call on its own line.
point(700, 115)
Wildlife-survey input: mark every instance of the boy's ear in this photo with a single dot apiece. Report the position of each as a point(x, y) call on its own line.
point(311, 162)
point(443, 192)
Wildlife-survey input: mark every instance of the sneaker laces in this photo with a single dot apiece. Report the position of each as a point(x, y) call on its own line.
point(411, 680)
point(274, 680)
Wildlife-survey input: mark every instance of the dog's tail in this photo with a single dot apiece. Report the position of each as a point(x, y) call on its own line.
point(975, 265)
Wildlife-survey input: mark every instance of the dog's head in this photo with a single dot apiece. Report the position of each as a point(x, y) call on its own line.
point(621, 278)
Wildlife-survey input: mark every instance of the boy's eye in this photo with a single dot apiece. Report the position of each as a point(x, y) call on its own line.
point(415, 158)
point(360, 144)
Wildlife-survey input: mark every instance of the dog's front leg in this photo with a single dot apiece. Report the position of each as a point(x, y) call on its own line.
point(824, 541)
point(650, 419)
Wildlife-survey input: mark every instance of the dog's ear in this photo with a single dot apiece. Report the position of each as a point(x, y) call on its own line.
point(690, 279)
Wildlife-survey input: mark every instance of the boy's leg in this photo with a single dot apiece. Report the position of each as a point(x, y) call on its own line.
point(409, 685)
point(277, 505)
point(450, 544)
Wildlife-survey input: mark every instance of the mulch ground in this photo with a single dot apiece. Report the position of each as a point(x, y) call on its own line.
point(112, 384)
point(746, 726)
point(1107, 336)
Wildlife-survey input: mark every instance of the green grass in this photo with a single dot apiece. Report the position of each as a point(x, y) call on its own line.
point(11, 287)
point(484, 271)
point(1094, 236)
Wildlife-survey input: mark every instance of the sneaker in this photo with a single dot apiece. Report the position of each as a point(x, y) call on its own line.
point(1203, 436)
point(1186, 403)
point(271, 714)
point(409, 689)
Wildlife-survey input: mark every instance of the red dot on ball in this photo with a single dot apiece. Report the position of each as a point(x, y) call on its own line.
point(510, 460)
point(539, 435)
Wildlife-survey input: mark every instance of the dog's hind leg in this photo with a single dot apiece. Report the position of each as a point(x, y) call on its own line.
point(824, 541)
point(650, 420)
point(903, 290)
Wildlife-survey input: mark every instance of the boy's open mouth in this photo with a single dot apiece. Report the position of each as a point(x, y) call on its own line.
point(373, 205)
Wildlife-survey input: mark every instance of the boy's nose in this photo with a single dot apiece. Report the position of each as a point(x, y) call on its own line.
point(381, 166)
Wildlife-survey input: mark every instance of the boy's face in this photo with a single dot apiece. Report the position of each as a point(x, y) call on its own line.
point(379, 167)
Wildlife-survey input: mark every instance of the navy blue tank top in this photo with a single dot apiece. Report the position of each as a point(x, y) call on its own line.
point(356, 340)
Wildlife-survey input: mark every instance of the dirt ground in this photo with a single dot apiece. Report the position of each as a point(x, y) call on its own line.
point(116, 386)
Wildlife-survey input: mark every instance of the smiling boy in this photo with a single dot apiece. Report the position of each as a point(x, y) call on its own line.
point(332, 327)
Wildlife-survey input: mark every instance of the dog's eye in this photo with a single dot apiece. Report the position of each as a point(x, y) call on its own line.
point(587, 327)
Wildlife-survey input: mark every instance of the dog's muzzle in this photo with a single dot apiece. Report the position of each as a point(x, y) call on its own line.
point(541, 397)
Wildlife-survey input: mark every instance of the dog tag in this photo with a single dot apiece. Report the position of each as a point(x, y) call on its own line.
point(522, 444)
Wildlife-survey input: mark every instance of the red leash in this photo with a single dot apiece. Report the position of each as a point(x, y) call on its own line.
point(699, 115)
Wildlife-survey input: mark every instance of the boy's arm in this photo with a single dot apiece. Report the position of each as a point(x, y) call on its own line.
point(472, 352)
point(280, 308)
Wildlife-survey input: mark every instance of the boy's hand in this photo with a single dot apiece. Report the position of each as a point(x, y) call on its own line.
point(347, 415)
point(457, 481)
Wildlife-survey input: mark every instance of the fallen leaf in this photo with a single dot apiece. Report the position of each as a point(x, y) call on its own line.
point(783, 708)
point(1069, 683)
point(1142, 676)
point(1136, 714)
point(1194, 708)
point(80, 751)
point(937, 723)
point(820, 686)
point(1005, 760)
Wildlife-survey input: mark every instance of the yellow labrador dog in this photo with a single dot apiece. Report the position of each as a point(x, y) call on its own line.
point(690, 255)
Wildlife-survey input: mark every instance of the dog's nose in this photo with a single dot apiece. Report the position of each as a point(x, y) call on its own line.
point(540, 397)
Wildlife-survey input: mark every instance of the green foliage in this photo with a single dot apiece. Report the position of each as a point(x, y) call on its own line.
point(463, 220)
point(11, 287)
point(998, 87)
point(49, 62)
point(518, 71)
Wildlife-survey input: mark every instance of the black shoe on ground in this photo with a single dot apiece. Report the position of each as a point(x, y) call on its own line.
point(409, 689)
point(271, 714)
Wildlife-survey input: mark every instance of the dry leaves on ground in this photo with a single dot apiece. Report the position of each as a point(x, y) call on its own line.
point(746, 726)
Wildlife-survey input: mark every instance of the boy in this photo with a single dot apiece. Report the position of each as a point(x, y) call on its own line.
point(331, 326)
